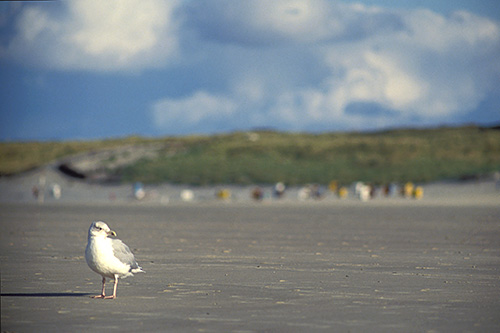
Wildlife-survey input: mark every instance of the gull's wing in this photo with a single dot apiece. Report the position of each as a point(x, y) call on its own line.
point(123, 253)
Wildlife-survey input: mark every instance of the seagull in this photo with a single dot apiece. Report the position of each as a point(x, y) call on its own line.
point(109, 257)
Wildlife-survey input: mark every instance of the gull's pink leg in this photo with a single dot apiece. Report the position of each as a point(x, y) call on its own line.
point(102, 295)
point(114, 288)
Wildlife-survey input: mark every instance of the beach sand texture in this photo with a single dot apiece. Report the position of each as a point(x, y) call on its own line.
point(257, 267)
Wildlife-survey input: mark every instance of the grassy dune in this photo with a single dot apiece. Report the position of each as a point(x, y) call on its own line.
point(21, 156)
point(295, 158)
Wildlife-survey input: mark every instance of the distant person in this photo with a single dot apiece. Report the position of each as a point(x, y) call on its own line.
point(35, 191)
point(139, 192)
point(333, 186)
point(257, 194)
point(187, 195)
point(316, 192)
point(223, 194)
point(372, 191)
point(56, 191)
point(408, 190)
point(364, 193)
point(42, 180)
point(386, 190)
point(418, 193)
point(279, 190)
point(393, 190)
point(343, 192)
point(304, 193)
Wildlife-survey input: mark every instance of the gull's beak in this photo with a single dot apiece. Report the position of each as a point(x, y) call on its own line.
point(112, 233)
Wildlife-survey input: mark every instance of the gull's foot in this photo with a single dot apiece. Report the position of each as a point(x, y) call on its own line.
point(98, 296)
point(110, 297)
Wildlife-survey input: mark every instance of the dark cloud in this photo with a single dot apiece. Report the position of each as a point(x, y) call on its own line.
point(264, 23)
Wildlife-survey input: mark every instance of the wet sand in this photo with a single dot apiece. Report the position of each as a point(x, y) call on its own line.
point(289, 267)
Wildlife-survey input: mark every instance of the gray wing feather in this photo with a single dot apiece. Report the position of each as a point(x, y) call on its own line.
point(123, 253)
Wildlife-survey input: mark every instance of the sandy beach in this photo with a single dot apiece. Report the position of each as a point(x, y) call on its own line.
point(391, 265)
point(270, 166)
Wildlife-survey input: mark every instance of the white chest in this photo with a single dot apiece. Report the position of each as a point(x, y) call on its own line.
point(100, 258)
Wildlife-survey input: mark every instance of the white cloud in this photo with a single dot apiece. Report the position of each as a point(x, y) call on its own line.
point(172, 113)
point(116, 28)
point(432, 31)
point(97, 35)
point(434, 71)
point(372, 77)
point(303, 63)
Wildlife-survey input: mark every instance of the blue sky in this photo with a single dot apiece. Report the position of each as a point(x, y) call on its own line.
point(93, 69)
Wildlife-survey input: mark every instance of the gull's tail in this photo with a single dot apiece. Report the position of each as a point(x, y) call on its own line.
point(137, 270)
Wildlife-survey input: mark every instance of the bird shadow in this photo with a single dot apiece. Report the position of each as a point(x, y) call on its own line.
point(44, 294)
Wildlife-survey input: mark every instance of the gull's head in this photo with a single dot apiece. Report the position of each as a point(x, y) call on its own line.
point(100, 229)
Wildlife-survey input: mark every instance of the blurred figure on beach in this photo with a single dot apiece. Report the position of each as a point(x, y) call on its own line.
point(333, 186)
point(343, 192)
point(56, 191)
point(138, 191)
point(186, 196)
point(257, 193)
point(393, 189)
point(316, 191)
point(310, 192)
point(279, 190)
point(407, 190)
point(386, 190)
point(362, 191)
point(418, 193)
point(39, 191)
point(223, 194)
point(35, 191)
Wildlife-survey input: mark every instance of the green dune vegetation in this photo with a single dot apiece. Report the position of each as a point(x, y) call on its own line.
point(418, 155)
point(16, 157)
